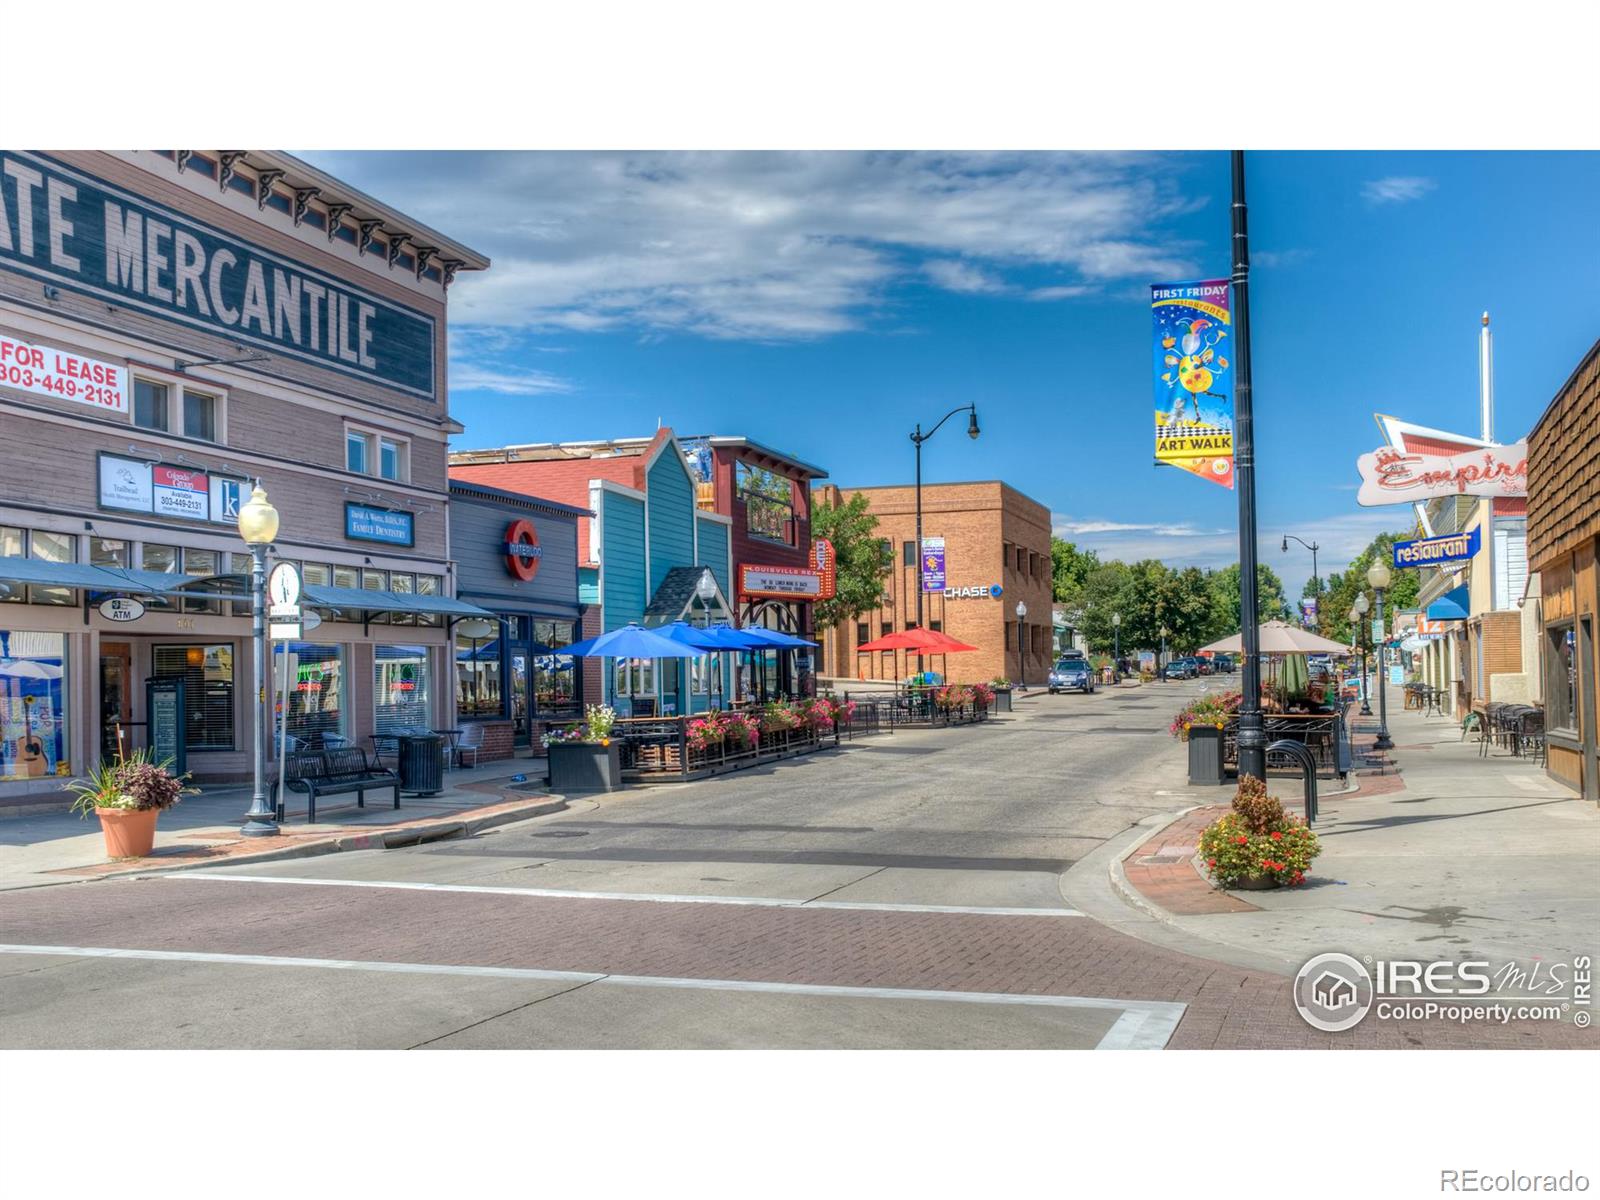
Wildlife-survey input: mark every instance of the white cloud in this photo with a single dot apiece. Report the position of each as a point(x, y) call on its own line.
point(1066, 526)
point(1060, 293)
point(772, 245)
point(466, 377)
point(1396, 189)
point(956, 276)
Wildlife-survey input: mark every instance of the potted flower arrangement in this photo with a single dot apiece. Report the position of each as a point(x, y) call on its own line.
point(1002, 693)
point(778, 716)
point(740, 730)
point(1257, 845)
point(983, 695)
point(819, 713)
point(701, 734)
point(585, 757)
point(128, 795)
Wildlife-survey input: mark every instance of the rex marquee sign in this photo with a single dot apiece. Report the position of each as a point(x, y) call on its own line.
point(794, 583)
point(71, 230)
point(1396, 476)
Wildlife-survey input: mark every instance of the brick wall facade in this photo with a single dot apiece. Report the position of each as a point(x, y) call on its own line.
point(984, 526)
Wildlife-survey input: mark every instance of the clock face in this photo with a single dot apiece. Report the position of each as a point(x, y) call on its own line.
point(283, 585)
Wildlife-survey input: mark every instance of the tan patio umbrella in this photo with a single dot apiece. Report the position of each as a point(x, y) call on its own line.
point(1279, 637)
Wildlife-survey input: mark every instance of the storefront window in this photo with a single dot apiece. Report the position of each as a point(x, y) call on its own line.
point(346, 577)
point(634, 681)
point(555, 677)
point(108, 552)
point(316, 694)
point(202, 564)
point(13, 544)
point(478, 679)
point(241, 565)
point(153, 557)
point(401, 688)
point(207, 674)
point(403, 585)
point(51, 547)
point(430, 585)
point(1561, 685)
point(33, 705)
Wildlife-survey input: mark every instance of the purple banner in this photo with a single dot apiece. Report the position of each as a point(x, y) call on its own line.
point(933, 564)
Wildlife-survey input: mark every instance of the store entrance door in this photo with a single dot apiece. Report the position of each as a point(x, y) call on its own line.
point(116, 698)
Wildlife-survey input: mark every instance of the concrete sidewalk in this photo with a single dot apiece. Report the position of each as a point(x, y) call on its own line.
point(203, 830)
point(1439, 853)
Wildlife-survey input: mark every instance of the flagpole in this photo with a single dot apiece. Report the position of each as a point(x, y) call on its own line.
point(1252, 737)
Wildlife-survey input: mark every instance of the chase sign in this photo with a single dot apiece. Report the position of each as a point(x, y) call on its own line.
point(72, 230)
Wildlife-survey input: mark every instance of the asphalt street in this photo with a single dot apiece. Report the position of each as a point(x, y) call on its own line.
point(903, 891)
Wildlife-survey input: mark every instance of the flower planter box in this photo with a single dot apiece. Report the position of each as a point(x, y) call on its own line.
point(585, 767)
point(1205, 756)
point(1002, 700)
point(1254, 883)
point(129, 832)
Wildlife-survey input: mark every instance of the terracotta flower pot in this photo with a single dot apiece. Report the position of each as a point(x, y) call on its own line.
point(130, 832)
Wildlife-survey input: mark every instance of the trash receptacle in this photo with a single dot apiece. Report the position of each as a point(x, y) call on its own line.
point(421, 763)
point(1205, 755)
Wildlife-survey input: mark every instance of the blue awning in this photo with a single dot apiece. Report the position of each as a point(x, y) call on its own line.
point(1452, 606)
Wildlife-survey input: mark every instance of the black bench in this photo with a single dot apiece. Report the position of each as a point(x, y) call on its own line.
point(333, 772)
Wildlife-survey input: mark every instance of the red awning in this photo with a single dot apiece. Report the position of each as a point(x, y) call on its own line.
point(927, 641)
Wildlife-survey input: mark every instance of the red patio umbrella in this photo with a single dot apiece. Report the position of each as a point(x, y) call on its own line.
point(925, 641)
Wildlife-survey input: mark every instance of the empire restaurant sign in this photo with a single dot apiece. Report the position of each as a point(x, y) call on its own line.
point(67, 228)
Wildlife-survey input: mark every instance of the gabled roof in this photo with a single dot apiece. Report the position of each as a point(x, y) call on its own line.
point(676, 593)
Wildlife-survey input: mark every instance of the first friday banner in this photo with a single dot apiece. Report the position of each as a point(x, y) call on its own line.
point(1194, 400)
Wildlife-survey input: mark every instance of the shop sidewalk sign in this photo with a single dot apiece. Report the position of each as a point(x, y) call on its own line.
point(164, 706)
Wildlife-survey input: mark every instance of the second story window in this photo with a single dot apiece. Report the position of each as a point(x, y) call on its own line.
point(168, 408)
point(768, 503)
point(373, 454)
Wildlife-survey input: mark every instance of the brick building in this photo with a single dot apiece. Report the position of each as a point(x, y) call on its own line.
point(174, 325)
point(1564, 550)
point(997, 553)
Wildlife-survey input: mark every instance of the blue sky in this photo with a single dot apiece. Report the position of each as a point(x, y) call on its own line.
point(826, 303)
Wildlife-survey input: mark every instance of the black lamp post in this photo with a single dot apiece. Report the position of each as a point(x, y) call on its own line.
point(1022, 670)
point(1358, 615)
point(917, 438)
point(1379, 575)
point(258, 525)
point(1316, 579)
point(1116, 646)
point(1252, 731)
point(1163, 663)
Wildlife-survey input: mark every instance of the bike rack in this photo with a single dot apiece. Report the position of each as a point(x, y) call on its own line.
point(1302, 754)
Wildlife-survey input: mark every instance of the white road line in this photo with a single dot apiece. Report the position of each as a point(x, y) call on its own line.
point(639, 897)
point(1143, 1025)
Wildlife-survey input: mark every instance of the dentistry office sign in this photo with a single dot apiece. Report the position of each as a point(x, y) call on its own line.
point(69, 229)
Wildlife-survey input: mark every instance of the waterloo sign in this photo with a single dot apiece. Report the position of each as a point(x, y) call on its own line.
point(1396, 476)
point(522, 550)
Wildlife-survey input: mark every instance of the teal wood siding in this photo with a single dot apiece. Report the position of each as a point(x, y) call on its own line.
point(588, 585)
point(622, 560)
point(714, 553)
point(671, 517)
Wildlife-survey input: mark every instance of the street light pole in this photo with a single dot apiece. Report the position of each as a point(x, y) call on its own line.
point(1162, 664)
point(1379, 575)
point(1358, 614)
point(1252, 733)
point(917, 438)
point(258, 525)
point(1116, 646)
point(1022, 671)
point(1316, 579)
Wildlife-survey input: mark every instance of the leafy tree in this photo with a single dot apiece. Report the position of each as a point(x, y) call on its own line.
point(1107, 589)
point(1187, 608)
point(861, 558)
point(1069, 570)
point(1270, 603)
point(1345, 586)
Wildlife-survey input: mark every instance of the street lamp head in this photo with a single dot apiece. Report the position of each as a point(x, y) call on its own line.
point(1286, 543)
point(1378, 575)
point(706, 589)
point(1362, 604)
point(1116, 619)
point(258, 520)
point(972, 424)
point(1022, 609)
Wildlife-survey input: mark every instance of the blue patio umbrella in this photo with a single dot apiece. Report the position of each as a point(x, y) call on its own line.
point(699, 638)
point(771, 639)
point(631, 641)
point(727, 637)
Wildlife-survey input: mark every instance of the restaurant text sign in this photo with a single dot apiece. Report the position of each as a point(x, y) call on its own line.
point(1430, 552)
point(63, 375)
point(779, 581)
point(68, 228)
point(1394, 476)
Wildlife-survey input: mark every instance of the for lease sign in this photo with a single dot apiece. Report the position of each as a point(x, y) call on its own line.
point(62, 375)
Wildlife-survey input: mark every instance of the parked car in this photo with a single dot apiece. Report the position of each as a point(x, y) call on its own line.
point(1183, 668)
point(1223, 664)
point(1203, 665)
point(1072, 675)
